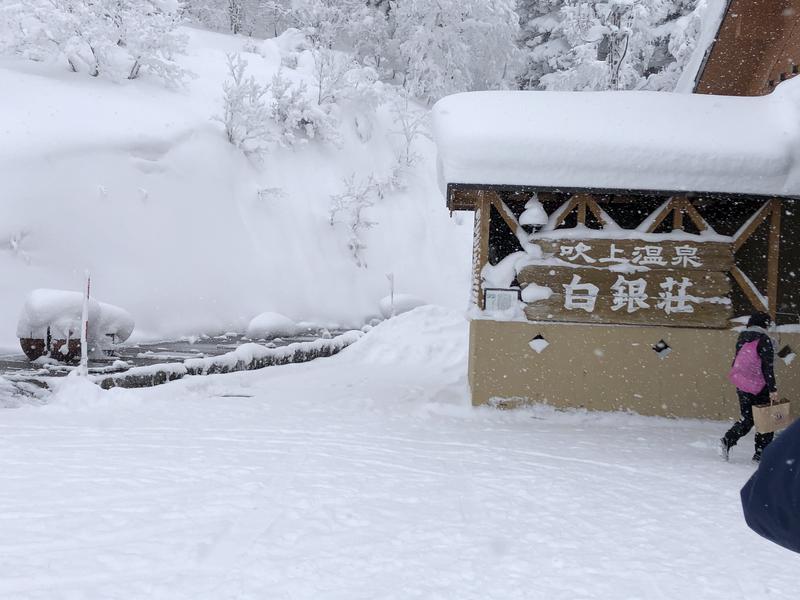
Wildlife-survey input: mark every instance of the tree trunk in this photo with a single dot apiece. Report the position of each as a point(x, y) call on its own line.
point(134, 73)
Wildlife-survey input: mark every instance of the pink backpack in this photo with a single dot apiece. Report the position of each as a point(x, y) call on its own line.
point(746, 372)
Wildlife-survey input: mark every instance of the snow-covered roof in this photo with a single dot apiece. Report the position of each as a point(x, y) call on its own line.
point(622, 140)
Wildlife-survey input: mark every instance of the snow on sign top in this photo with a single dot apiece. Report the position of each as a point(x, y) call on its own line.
point(622, 140)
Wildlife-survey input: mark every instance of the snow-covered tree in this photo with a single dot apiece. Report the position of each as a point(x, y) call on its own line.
point(411, 123)
point(597, 44)
point(446, 46)
point(246, 114)
point(349, 208)
point(682, 36)
point(149, 35)
point(369, 33)
point(114, 38)
point(259, 18)
point(324, 22)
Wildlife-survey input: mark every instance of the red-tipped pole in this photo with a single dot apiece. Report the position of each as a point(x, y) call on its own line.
point(84, 368)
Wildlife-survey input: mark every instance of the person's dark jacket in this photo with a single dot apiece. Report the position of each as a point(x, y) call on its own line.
point(766, 352)
point(771, 498)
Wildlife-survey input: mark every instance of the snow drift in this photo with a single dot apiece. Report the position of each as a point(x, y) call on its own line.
point(137, 183)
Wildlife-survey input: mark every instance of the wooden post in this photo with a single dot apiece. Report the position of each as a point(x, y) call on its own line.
point(582, 211)
point(480, 248)
point(677, 217)
point(773, 256)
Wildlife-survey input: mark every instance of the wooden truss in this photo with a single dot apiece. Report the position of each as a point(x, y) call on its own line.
point(771, 209)
point(679, 208)
point(583, 203)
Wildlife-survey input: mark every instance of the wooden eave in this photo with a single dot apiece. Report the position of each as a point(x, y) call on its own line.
point(756, 47)
point(466, 196)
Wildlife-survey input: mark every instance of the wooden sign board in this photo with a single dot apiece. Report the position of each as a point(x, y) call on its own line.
point(657, 297)
point(669, 254)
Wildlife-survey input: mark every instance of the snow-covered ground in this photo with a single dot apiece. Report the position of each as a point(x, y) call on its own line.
point(135, 182)
point(365, 476)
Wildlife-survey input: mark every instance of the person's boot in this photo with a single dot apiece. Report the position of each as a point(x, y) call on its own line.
point(757, 456)
point(724, 448)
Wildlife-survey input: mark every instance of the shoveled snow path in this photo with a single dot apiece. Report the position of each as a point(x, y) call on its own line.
point(366, 476)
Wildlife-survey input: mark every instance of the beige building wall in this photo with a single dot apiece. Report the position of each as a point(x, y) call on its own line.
point(602, 367)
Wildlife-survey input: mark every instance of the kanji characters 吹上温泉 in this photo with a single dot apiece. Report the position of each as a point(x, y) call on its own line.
point(686, 256)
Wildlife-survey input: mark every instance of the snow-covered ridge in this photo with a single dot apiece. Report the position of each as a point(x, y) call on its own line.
point(137, 183)
point(622, 140)
point(247, 357)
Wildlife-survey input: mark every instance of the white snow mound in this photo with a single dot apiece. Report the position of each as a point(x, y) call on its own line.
point(270, 325)
point(401, 303)
point(427, 335)
point(62, 310)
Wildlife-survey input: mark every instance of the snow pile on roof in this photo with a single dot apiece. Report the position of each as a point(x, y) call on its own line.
point(62, 310)
point(622, 140)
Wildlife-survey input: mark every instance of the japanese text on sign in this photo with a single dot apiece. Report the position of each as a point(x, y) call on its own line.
point(683, 256)
point(632, 295)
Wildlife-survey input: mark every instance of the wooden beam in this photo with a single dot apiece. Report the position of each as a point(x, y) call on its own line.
point(749, 289)
point(695, 216)
point(749, 228)
point(669, 207)
point(562, 216)
point(596, 210)
point(506, 214)
point(773, 256)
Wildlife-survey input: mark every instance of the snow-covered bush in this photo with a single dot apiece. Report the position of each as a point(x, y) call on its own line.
point(113, 38)
point(296, 118)
point(246, 114)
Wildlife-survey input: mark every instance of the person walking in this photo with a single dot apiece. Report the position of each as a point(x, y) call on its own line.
point(753, 375)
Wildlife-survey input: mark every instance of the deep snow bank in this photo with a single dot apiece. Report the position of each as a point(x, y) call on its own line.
point(428, 335)
point(137, 184)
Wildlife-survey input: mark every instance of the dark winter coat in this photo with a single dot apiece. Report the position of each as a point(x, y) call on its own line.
point(766, 352)
point(771, 499)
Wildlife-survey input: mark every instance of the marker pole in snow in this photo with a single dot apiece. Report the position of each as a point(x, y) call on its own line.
point(84, 368)
point(390, 277)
